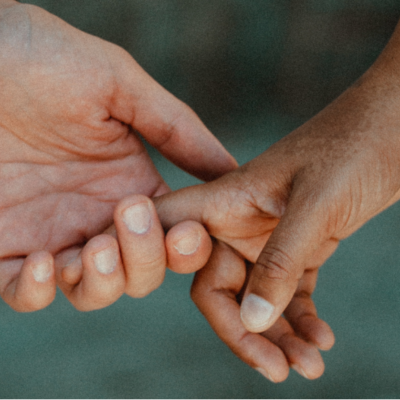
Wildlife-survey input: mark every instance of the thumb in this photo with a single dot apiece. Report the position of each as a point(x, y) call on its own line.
point(168, 124)
point(275, 276)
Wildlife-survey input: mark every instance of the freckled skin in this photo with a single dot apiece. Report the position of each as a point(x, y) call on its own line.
point(70, 106)
point(284, 213)
point(71, 155)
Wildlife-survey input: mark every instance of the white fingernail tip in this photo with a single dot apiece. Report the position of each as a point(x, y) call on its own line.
point(256, 312)
point(42, 271)
point(106, 261)
point(188, 245)
point(299, 370)
point(264, 373)
point(137, 218)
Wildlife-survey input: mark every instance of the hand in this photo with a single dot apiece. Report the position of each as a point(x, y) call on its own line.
point(71, 106)
point(292, 342)
point(95, 277)
point(287, 210)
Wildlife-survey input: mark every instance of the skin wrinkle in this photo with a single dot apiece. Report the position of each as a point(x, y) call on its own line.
point(69, 146)
point(45, 124)
point(23, 139)
point(171, 129)
point(339, 180)
point(273, 268)
point(225, 292)
point(85, 230)
point(63, 119)
point(285, 335)
point(59, 186)
point(50, 217)
point(84, 188)
point(13, 170)
point(243, 338)
point(114, 94)
point(52, 226)
point(227, 203)
point(21, 200)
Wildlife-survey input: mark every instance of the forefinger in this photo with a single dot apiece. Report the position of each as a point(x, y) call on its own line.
point(28, 284)
point(214, 292)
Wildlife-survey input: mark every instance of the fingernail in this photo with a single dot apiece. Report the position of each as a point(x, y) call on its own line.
point(264, 373)
point(188, 244)
point(42, 272)
point(299, 370)
point(256, 312)
point(105, 261)
point(137, 218)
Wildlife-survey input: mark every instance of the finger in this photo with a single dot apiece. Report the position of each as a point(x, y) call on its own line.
point(182, 205)
point(275, 276)
point(166, 123)
point(141, 239)
point(302, 316)
point(214, 290)
point(188, 247)
point(69, 268)
point(93, 277)
point(301, 312)
point(28, 284)
point(303, 357)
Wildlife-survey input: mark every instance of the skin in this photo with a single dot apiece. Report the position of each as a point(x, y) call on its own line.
point(72, 106)
point(285, 213)
point(72, 163)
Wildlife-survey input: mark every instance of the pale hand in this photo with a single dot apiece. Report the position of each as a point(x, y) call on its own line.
point(71, 106)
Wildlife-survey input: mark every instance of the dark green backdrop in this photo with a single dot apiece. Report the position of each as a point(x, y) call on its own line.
point(253, 70)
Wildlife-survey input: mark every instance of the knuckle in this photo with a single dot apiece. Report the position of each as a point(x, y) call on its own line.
point(276, 265)
point(146, 264)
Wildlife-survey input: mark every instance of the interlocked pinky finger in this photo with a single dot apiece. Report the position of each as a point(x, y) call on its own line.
point(28, 284)
point(188, 247)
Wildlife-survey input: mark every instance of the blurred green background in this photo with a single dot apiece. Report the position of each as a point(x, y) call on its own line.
point(253, 70)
